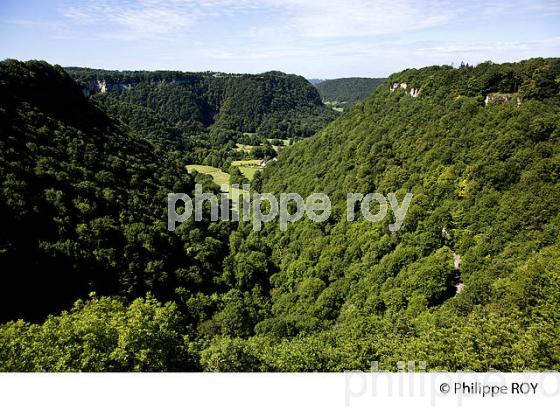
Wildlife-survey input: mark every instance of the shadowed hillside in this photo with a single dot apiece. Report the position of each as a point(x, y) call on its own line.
point(345, 92)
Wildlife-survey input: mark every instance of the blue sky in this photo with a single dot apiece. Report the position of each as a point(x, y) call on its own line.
point(314, 38)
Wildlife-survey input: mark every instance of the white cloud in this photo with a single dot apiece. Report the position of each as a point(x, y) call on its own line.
point(376, 59)
point(337, 19)
point(302, 19)
point(496, 51)
point(308, 36)
point(135, 20)
point(306, 18)
point(359, 18)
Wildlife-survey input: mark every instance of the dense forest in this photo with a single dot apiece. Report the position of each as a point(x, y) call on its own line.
point(206, 114)
point(345, 92)
point(471, 281)
point(82, 202)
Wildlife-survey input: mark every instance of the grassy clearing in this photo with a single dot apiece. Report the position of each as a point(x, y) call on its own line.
point(247, 168)
point(244, 148)
point(249, 172)
point(218, 176)
point(285, 143)
point(336, 105)
point(245, 163)
point(249, 148)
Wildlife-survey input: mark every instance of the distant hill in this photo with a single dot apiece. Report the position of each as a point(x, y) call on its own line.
point(273, 104)
point(206, 114)
point(345, 92)
point(315, 81)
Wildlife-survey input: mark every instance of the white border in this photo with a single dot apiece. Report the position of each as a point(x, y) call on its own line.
point(351, 390)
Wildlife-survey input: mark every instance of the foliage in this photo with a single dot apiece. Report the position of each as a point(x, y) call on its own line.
point(327, 296)
point(347, 91)
point(205, 114)
point(100, 334)
point(485, 179)
point(83, 202)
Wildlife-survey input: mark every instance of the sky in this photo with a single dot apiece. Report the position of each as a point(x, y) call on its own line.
point(314, 38)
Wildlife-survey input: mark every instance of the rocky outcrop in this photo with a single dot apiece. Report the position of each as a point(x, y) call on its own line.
point(94, 87)
point(414, 91)
point(502, 98)
point(101, 87)
point(445, 234)
point(459, 285)
point(456, 261)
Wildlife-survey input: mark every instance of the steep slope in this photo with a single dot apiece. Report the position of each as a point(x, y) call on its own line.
point(273, 104)
point(82, 202)
point(472, 279)
point(345, 92)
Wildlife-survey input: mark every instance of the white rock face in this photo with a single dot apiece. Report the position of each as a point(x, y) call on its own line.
point(456, 261)
point(457, 265)
point(403, 86)
point(102, 86)
point(502, 98)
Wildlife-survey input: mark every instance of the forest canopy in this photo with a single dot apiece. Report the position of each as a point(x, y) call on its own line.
point(470, 282)
point(345, 92)
point(206, 114)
